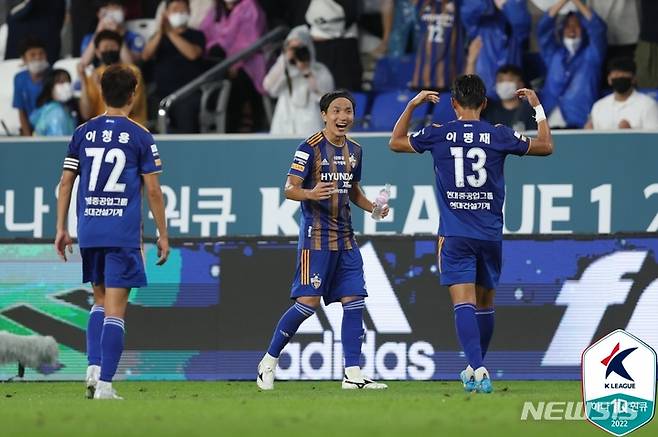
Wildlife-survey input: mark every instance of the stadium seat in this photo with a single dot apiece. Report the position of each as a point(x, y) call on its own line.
point(651, 92)
point(360, 118)
point(144, 27)
point(3, 40)
point(393, 73)
point(386, 108)
point(8, 114)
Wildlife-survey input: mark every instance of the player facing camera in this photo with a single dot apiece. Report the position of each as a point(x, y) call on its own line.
point(337, 110)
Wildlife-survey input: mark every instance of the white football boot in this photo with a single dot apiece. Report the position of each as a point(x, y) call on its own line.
point(104, 390)
point(266, 369)
point(93, 374)
point(354, 380)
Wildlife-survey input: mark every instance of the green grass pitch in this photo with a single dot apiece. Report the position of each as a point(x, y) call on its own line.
point(292, 409)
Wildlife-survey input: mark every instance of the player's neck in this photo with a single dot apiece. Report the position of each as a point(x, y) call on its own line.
point(469, 115)
point(117, 112)
point(338, 141)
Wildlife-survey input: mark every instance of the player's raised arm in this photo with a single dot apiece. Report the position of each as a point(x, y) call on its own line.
point(399, 141)
point(542, 145)
point(63, 239)
point(156, 204)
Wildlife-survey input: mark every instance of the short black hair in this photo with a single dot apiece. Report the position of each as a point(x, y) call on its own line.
point(46, 94)
point(510, 69)
point(31, 42)
point(187, 2)
point(103, 3)
point(118, 84)
point(326, 100)
point(107, 34)
point(622, 64)
point(469, 91)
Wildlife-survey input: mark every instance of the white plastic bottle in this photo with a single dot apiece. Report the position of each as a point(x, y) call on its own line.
point(380, 201)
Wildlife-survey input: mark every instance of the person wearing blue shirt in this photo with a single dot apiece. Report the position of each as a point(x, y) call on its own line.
point(573, 63)
point(29, 83)
point(115, 159)
point(469, 158)
point(498, 30)
point(53, 115)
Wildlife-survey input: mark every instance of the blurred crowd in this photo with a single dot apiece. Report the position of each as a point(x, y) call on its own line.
point(588, 59)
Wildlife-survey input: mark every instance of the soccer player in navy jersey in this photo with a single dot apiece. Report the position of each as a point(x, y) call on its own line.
point(325, 177)
point(114, 157)
point(469, 157)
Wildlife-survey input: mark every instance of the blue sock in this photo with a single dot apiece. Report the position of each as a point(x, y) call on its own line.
point(112, 347)
point(94, 331)
point(352, 331)
point(468, 333)
point(485, 318)
point(287, 326)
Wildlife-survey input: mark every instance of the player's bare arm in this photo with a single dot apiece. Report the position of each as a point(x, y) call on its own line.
point(62, 239)
point(294, 190)
point(156, 204)
point(358, 198)
point(542, 145)
point(399, 141)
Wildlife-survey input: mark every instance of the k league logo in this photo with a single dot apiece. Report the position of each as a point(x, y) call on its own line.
point(619, 383)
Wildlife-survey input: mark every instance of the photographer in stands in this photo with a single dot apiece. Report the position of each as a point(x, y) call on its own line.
point(298, 81)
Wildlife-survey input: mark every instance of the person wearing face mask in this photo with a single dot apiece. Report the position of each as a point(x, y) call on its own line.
point(108, 48)
point(29, 82)
point(625, 108)
point(55, 113)
point(177, 52)
point(573, 63)
point(298, 81)
point(111, 16)
point(198, 11)
point(509, 110)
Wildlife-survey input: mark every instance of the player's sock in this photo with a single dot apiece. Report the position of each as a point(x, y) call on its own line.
point(94, 331)
point(468, 333)
point(287, 326)
point(352, 331)
point(112, 347)
point(485, 318)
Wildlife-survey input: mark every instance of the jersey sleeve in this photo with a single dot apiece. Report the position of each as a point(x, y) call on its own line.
point(302, 161)
point(150, 161)
point(511, 141)
point(424, 139)
point(72, 160)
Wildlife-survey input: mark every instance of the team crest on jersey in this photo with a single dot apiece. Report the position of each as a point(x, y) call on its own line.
point(316, 281)
point(353, 160)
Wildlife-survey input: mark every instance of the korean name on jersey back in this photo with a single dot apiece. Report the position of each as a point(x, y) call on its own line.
point(469, 158)
point(110, 155)
point(327, 224)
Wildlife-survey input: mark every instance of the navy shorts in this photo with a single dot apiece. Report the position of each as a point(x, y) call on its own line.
point(116, 267)
point(330, 274)
point(470, 261)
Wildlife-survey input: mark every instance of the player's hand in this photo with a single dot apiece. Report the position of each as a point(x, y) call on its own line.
point(62, 241)
point(424, 96)
point(322, 191)
point(624, 124)
point(385, 210)
point(530, 95)
point(163, 250)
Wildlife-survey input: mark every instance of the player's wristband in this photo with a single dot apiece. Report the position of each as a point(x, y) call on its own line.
point(540, 115)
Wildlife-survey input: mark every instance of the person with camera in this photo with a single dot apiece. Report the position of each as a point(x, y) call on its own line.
point(298, 81)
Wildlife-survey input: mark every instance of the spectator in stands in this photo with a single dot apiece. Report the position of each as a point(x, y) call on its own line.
point(623, 25)
point(55, 113)
point(231, 27)
point(198, 11)
point(625, 108)
point(440, 54)
point(498, 30)
point(335, 35)
point(108, 46)
point(406, 26)
point(573, 63)
point(42, 19)
point(298, 81)
point(111, 16)
point(177, 51)
point(646, 53)
point(29, 83)
point(508, 109)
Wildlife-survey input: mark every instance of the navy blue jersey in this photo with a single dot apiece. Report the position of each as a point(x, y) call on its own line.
point(327, 224)
point(469, 159)
point(110, 154)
